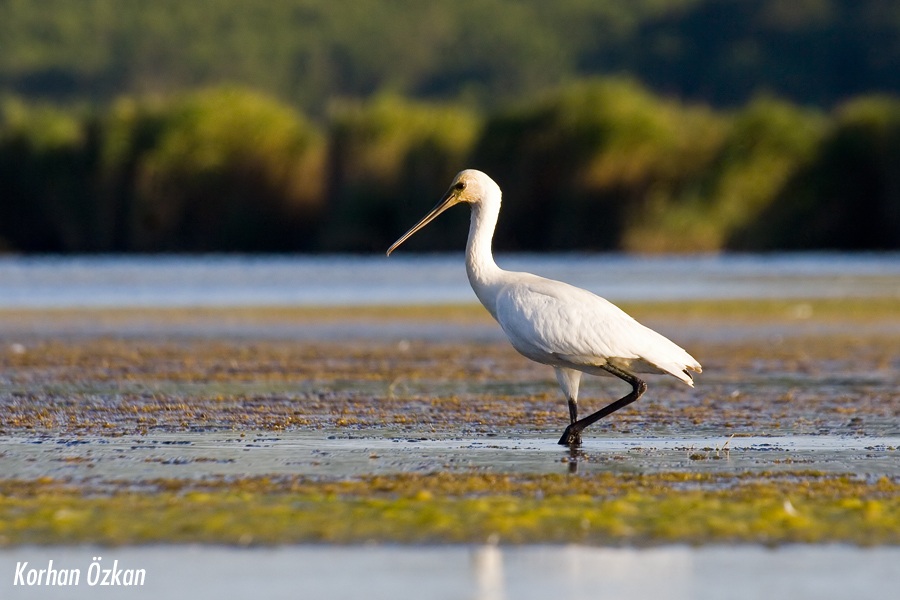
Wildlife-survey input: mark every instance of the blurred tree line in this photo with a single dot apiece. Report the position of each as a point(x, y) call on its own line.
point(482, 52)
point(595, 164)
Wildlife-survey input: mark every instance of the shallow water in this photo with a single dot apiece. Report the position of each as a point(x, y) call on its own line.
point(473, 572)
point(320, 454)
point(820, 391)
point(223, 280)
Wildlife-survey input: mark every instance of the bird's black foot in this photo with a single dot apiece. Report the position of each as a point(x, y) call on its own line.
point(571, 436)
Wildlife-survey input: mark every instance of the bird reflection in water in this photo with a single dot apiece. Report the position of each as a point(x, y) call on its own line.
point(487, 566)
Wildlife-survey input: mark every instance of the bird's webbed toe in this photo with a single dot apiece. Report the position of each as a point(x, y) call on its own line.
point(571, 436)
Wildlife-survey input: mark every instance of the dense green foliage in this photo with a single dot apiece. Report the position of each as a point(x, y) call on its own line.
point(387, 155)
point(849, 195)
point(316, 126)
point(596, 165)
point(308, 51)
point(218, 169)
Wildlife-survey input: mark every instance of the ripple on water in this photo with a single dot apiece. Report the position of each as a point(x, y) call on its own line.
point(335, 454)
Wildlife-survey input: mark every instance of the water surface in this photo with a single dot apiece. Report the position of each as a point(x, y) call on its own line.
point(324, 450)
point(339, 455)
point(475, 572)
point(225, 280)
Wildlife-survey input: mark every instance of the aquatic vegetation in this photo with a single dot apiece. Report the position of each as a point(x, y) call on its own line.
point(827, 367)
point(441, 508)
point(808, 366)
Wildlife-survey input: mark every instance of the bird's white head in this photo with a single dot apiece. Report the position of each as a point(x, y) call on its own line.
point(469, 186)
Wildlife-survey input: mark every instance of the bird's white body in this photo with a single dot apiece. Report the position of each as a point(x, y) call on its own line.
point(566, 327)
point(548, 321)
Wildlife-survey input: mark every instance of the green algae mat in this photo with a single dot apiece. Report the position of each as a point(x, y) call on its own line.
point(441, 508)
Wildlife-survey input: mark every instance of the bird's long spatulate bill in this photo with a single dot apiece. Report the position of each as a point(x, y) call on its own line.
point(446, 202)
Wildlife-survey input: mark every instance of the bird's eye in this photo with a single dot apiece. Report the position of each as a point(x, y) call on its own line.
point(460, 185)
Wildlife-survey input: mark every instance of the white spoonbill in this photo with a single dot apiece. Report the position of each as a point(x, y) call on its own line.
point(554, 323)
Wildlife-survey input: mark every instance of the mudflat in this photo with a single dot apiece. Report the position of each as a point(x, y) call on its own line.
point(420, 424)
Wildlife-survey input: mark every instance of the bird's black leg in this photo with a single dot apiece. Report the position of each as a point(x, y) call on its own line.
point(573, 418)
point(572, 435)
point(573, 410)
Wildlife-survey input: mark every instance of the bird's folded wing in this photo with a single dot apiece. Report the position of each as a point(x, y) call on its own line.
point(553, 318)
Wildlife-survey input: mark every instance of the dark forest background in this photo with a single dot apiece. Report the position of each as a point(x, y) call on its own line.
point(317, 125)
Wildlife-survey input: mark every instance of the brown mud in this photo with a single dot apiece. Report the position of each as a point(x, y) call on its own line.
point(104, 411)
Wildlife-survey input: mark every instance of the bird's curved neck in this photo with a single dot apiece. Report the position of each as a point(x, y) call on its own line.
point(484, 274)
